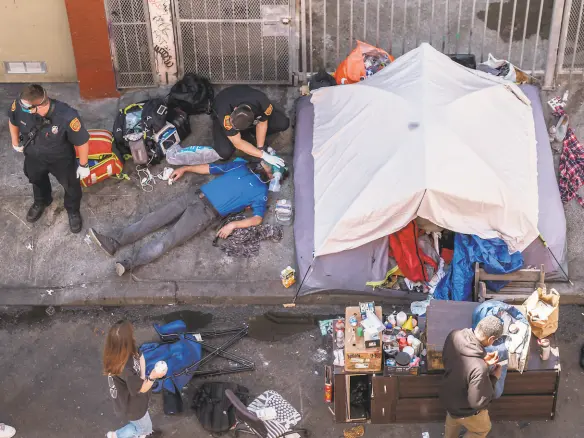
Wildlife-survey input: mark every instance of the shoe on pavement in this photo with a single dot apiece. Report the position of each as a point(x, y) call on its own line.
point(36, 211)
point(6, 431)
point(109, 245)
point(75, 222)
point(122, 267)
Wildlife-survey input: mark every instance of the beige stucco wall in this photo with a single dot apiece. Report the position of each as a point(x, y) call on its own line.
point(36, 30)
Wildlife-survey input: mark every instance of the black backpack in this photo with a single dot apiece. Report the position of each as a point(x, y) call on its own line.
point(212, 407)
point(120, 129)
point(193, 94)
point(154, 115)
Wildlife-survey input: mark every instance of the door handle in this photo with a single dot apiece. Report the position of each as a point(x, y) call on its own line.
point(383, 411)
point(285, 20)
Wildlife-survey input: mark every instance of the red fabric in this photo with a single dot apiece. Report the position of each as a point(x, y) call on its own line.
point(571, 168)
point(403, 247)
point(447, 255)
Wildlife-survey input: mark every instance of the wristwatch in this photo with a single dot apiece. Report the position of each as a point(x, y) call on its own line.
point(86, 165)
point(150, 380)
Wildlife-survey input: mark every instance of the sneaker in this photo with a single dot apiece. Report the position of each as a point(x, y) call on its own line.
point(122, 267)
point(75, 222)
point(6, 431)
point(109, 245)
point(111, 435)
point(36, 211)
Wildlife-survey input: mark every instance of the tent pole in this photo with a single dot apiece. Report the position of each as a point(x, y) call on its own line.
point(558, 263)
point(293, 303)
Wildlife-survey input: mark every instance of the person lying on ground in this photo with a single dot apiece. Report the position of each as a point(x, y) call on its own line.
point(241, 185)
point(241, 116)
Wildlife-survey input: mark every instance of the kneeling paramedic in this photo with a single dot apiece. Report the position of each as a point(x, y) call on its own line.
point(240, 185)
point(50, 130)
point(240, 113)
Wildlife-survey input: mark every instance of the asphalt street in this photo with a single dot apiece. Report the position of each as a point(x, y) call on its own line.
point(52, 384)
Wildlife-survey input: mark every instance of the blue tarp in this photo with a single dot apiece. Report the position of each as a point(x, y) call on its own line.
point(179, 350)
point(493, 254)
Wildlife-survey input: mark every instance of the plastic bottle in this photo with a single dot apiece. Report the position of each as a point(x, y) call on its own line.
point(275, 182)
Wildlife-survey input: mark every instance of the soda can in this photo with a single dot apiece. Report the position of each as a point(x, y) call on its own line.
point(328, 393)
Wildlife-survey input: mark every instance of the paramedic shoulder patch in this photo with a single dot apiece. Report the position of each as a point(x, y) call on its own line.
point(75, 124)
point(13, 107)
point(269, 110)
point(227, 123)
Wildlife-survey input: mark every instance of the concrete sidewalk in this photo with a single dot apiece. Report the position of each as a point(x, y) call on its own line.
point(44, 264)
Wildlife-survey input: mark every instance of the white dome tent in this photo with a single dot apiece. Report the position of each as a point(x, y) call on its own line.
point(423, 137)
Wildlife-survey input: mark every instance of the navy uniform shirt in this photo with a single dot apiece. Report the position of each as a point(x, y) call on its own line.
point(55, 140)
point(228, 99)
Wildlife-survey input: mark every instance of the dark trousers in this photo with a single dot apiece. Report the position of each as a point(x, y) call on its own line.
point(37, 172)
point(194, 216)
point(277, 122)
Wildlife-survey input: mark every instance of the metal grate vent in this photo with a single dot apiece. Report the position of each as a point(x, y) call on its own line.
point(236, 41)
point(131, 43)
point(574, 51)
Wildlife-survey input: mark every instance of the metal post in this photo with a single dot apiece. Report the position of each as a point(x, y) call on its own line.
point(554, 41)
point(324, 35)
point(303, 32)
point(537, 37)
point(564, 35)
point(310, 46)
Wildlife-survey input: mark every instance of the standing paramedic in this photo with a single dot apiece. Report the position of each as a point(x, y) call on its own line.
point(50, 130)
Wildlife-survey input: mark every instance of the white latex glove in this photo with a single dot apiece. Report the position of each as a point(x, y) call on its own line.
point(83, 172)
point(274, 160)
point(18, 148)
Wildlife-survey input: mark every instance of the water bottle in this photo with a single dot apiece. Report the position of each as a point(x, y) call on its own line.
point(275, 182)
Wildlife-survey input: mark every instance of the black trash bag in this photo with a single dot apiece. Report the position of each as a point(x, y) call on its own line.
point(320, 80)
point(464, 59)
point(193, 94)
point(212, 407)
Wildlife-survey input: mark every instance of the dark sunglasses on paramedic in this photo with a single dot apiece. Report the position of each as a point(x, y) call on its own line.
point(27, 107)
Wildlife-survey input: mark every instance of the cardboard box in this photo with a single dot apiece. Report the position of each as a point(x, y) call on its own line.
point(358, 358)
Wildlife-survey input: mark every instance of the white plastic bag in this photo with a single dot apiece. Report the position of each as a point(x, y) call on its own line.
point(499, 64)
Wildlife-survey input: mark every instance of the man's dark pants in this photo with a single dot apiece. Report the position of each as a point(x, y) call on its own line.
point(192, 215)
point(65, 170)
point(277, 122)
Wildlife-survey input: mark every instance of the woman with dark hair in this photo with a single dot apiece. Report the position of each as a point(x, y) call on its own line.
point(129, 387)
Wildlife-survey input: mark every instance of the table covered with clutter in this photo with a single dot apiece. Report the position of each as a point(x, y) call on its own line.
point(394, 375)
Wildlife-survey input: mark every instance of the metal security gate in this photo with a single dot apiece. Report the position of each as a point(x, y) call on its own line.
point(571, 52)
point(516, 30)
point(237, 41)
point(131, 43)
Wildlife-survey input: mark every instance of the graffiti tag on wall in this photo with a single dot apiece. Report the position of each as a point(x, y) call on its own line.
point(163, 39)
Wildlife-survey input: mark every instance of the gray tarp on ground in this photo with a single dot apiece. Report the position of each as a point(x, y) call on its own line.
point(350, 270)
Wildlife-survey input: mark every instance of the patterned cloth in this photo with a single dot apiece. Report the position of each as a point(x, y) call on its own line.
point(571, 168)
point(245, 242)
point(288, 417)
